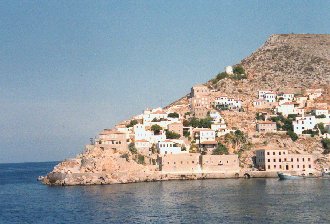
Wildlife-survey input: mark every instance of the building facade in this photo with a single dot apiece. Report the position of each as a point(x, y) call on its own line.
point(281, 160)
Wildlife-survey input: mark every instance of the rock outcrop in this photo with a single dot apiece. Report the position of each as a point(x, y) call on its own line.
point(98, 165)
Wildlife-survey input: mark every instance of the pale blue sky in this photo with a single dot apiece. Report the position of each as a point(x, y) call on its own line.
point(69, 69)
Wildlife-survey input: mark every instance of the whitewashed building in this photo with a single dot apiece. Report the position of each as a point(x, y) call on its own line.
point(303, 123)
point(169, 147)
point(286, 108)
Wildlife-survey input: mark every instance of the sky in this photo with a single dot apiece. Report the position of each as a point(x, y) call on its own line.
point(69, 69)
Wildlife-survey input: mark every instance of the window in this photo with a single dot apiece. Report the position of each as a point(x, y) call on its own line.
point(274, 160)
point(309, 166)
point(280, 160)
point(309, 159)
point(268, 160)
point(284, 159)
point(193, 161)
point(267, 153)
point(268, 166)
point(273, 153)
point(291, 159)
point(303, 159)
point(280, 166)
point(279, 154)
point(274, 166)
point(297, 166)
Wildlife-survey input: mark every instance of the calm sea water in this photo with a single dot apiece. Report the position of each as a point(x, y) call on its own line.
point(24, 200)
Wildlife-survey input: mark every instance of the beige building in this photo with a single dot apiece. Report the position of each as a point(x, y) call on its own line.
point(182, 163)
point(195, 162)
point(266, 126)
point(200, 101)
point(281, 160)
point(112, 139)
point(219, 163)
point(176, 127)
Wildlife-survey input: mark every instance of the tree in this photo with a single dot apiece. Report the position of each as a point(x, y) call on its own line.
point(326, 145)
point(260, 116)
point(221, 149)
point(238, 70)
point(132, 123)
point(172, 135)
point(321, 127)
point(131, 148)
point(200, 123)
point(186, 133)
point(156, 129)
point(292, 135)
point(237, 139)
point(173, 115)
point(221, 75)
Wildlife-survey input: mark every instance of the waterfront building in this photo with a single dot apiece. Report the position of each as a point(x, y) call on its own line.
point(220, 163)
point(281, 160)
point(179, 163)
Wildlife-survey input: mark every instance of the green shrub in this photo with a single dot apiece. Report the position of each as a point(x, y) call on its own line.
point(292, 135)
point(173, 115)
point(132, 123)
point(156, 129)
point(326, 145)
point(172, 135)
point(220, 150)
point(131, 148)
point(238, 69)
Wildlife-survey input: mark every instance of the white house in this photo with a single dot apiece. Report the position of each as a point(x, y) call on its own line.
point(150, 115)
point(318, 112)
point(287, 97)
point(203, 134)
point(215, 115)
point(261, 93)
point(140, 133)
point(169, 147)
point(303, 123)
point(286, 108)
point(313, 93)
point(142, 144)
point(270, 97)
point(230, 103)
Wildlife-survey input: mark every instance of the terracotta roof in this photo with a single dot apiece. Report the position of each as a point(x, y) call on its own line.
point(202, 129)
point(158, 112)
point(209, 143)
point(109, 131)
point(142, 140)
point(289, 103)
point(266, 122)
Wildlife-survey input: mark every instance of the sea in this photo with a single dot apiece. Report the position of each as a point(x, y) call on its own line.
point(25, 200)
